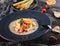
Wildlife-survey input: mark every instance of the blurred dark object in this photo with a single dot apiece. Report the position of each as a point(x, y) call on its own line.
point(54, 38)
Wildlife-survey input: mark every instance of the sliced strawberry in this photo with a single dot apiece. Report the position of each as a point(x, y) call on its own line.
point(54, 38)
point(43, 10)
point(25, 22)
point(21, 29)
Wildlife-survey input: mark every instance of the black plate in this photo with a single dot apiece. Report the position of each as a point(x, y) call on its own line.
point(40, 17)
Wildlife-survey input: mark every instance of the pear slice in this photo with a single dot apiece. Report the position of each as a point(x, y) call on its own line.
point(56, 14)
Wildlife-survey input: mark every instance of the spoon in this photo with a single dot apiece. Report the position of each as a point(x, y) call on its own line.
point(47, 26)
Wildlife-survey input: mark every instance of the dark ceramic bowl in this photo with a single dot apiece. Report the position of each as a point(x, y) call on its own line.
point(5, 31)
point(33, 5)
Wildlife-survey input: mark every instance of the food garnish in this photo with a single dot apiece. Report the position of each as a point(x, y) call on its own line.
point(21, 21)
point(21, 29)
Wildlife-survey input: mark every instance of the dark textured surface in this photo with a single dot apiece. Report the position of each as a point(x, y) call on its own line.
point(43, 40)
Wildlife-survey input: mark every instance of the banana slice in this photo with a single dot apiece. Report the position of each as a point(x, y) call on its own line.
point(21, 2)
